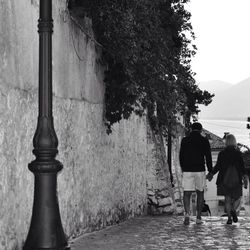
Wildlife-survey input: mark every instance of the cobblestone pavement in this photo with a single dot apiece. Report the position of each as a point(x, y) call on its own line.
point(168, 232)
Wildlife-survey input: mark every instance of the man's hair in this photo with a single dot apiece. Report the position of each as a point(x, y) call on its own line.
point(196, 126)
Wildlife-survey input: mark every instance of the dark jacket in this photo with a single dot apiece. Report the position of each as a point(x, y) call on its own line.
point(194, 150)
point(230, 155)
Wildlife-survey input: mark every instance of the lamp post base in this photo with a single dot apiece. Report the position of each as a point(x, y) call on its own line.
point(46, 231)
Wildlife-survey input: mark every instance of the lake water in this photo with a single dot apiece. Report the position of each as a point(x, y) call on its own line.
point(237, 128)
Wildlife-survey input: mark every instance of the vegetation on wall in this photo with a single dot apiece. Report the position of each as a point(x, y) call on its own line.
point(147, 47)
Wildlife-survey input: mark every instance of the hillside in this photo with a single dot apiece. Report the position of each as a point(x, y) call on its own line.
point(215, 86)
point(230, 101)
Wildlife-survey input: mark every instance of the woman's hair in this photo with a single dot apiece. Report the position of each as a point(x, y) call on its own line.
point(231, 140)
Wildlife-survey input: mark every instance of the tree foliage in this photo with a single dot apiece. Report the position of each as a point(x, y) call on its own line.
point(147, 46)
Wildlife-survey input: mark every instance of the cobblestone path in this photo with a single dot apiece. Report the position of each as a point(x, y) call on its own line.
point(168, 232)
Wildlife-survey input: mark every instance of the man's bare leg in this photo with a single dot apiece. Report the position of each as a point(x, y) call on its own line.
point(199, 205)
point(186, 201)
point(200, 200)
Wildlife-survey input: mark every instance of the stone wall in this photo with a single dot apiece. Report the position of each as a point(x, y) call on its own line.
point(75, 71)
point(105, 177)
point(163, 198)
point(176, 169)
point(160, 194)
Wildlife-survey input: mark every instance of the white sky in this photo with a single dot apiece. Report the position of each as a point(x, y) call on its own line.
point(222, 29)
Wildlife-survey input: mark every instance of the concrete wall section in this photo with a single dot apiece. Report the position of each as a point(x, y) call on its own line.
point(104, 176)
point(18, 43)
point(75, 54)
point(17, 124)
point(76, 73)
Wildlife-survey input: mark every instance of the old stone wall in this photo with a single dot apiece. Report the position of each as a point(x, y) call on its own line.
point(75, 71)
point(159, 189)
point(163, 198)
point(105, 177)
point(176, 169)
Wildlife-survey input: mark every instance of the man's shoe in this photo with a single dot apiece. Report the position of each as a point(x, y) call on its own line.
point(186, 220)
point(234, 215)
point(198, 221)
point(229, 221)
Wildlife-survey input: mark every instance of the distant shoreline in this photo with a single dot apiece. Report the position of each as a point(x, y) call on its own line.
point(220, 126)
point(244, 119)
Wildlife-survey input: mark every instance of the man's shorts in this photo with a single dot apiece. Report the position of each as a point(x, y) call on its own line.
point(192, 181)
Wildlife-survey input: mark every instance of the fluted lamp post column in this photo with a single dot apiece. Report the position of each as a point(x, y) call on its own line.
point(46, 231)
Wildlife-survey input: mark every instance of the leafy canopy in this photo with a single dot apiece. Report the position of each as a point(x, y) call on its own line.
point(147, 47)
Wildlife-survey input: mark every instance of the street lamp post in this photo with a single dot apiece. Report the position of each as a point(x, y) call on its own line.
point(46, 231)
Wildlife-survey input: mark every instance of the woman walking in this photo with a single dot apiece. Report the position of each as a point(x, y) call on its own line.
point(231, 176)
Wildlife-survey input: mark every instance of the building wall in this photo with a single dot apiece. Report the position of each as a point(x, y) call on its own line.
point(105, 177)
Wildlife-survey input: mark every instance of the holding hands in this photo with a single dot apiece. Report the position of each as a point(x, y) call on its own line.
point(209, 176)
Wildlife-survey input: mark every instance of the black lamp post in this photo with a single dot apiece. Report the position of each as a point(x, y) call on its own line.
point(46, 231)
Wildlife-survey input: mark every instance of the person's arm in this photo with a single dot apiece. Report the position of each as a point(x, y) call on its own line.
point(218, 164)
point(208, 156)
point(241, 165)
point(181, 156)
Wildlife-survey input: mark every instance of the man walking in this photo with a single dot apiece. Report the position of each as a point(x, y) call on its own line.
point(195, 151)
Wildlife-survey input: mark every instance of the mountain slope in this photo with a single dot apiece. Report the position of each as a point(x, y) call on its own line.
point(231, 103)
point(215, 86)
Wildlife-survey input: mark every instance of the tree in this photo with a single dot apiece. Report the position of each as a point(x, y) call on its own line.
point(147, 46)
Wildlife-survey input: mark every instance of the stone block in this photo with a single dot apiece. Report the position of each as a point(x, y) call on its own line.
point(177, 195)
point(153, 200)
point(168, 209)
point(150, 193)
point(180, 210)
point(164, 193)
point(165, 202)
